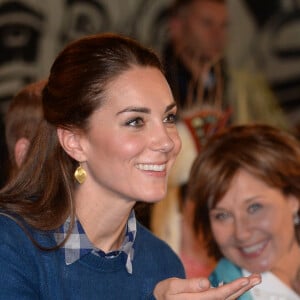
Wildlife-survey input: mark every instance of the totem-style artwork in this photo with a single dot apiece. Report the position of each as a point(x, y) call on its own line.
point(266, 36)
point(32, 32)
point(28, 43)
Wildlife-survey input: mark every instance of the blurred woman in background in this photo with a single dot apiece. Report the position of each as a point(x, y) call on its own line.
point(245, 186)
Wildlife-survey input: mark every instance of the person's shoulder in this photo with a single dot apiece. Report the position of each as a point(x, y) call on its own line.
point(21, 261)
point(11, 222)
point(12, 229)
point(15, 231)
point(156, 252)
point(146, 239)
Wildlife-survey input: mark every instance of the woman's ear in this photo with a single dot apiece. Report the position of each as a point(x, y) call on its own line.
point(293, 203)
point(71, 143)
point(20, 151)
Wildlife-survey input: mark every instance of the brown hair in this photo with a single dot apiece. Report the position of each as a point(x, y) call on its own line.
point(22, 119)
point(266, 152)
point(42, 192)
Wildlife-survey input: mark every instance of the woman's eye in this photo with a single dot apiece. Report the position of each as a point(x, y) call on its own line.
point(136, 122)
point(171, 118)
point(254, 208)
point(221, 216)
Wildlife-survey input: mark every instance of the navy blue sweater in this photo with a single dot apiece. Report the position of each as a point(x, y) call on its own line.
point(29, 273)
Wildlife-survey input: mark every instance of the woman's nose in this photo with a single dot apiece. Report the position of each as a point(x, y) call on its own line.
point(163, 140)
point(242, 230)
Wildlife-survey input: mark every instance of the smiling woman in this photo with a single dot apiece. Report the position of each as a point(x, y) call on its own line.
point(109, 119)
point(246, 193)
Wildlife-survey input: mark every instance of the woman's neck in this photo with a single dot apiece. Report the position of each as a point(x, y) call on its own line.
point(103, 219)
point(288, 268)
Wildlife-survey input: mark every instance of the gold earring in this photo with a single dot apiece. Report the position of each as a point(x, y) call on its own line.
point(80, 174)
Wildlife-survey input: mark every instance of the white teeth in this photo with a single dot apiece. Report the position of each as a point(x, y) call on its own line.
point(156, 168)
point(254, 248)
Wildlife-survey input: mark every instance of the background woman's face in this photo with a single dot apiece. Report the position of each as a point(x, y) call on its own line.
point(133, 141)
point(253, 224)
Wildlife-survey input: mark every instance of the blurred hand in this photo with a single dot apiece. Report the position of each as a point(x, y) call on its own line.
point(199, 288)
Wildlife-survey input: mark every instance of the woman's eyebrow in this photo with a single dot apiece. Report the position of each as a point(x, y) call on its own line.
point(135, 109)
point(144, 109)
point(170, 107)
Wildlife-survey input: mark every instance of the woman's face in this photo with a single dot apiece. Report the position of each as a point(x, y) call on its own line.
point(253, 224)
point(133, 141)
point(205, 29)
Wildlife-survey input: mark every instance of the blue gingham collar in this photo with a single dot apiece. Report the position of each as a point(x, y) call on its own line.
point(79, 245)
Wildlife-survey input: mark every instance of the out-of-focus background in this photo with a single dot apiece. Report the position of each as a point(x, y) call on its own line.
point(264, 35)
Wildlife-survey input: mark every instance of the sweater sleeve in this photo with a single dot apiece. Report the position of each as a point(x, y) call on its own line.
point(19, 275)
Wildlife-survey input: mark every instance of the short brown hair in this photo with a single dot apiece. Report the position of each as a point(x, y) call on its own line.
point(268, 153)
